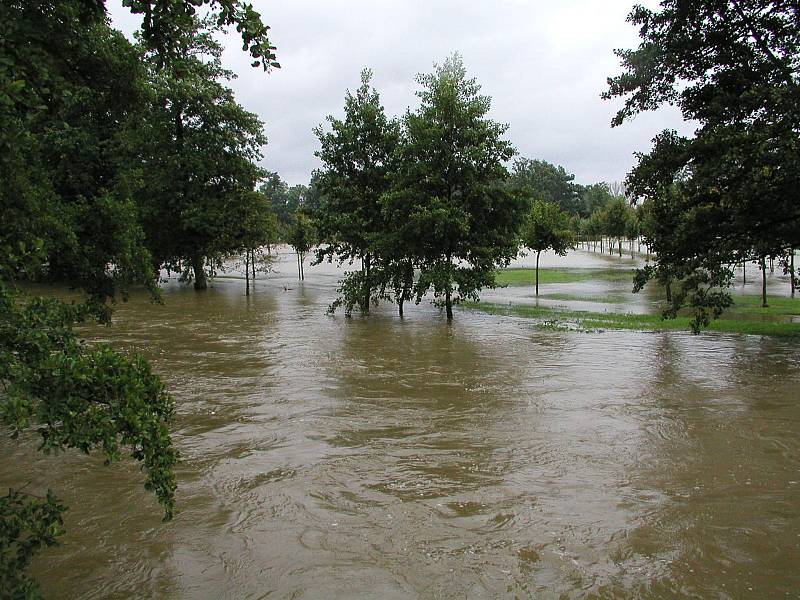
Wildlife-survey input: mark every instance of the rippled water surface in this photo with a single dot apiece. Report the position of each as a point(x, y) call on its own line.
point(326, 457)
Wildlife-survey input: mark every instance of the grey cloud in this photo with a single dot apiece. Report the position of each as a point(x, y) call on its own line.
point(544, 64)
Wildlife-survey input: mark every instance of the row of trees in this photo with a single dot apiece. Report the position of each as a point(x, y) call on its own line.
point(422, 202)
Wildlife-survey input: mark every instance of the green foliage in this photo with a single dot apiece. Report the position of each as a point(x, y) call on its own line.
point(730, 193)
point(191, 117)
point(285, 201)
point(547, 228)
point(80, 396)
point(27, 524)
point(302, 235)
point(450, 208)
point(77, 396)
point(165, 22)
point(595, 197)
point(94, 143)
point(548, 182)
point(63, 146)
point(358, 158)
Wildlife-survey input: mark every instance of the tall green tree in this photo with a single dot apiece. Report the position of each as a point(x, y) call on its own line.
point(460, 220)
point(72, 95)
point(732, 67)
point(357, 155)
point(194, 116)
point(546, 228)
point(615, 217)
point(595, 197)
point(257, 230)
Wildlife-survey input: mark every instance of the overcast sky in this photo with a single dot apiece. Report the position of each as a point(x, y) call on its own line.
point(543, 63)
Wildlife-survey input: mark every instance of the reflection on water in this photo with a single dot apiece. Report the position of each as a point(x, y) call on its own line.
point(388, 458)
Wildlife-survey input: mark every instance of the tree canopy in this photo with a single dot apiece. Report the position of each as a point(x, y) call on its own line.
point(733, 188)
point(358, 157)
point(456, 215)
point(83, 113)
point(548, 182)
point(547, 227)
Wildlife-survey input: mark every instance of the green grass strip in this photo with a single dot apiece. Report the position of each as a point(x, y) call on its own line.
point(528, 276)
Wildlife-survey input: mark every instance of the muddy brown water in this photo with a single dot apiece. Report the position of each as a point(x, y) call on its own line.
point(326, 457)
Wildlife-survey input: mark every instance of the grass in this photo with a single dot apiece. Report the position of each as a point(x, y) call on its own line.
point(605, 299)
point(751, 306)
point(553, 317)
point(528, 276)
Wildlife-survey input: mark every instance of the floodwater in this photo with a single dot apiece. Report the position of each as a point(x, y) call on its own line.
point(326, 457)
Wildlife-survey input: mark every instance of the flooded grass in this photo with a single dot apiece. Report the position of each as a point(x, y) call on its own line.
point(559, 318)
point(528, 276)
point(777, 306)
point(612, 298)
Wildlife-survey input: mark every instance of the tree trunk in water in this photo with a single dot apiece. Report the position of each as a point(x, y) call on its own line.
point(764, 282)
point(792, 279)
point(448, 303)
point(744, 272)
point(619, 247)
point(247, 272)
point(668, 289)
point(537, 272)
point(447, 294)
point(253, 266)
point(400, 307)
point(200, 281)
point(298, 264)
point(601, 245)
point(365, 299)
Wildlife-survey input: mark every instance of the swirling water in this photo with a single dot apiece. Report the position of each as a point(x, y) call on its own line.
point(327, 457)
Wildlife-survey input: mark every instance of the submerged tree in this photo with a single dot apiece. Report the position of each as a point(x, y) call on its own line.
point(615, 217)
point(202, 202)
point(301, 238)
point(459, 220)
point(546, 228)
point(357, 155)
point(731, 66)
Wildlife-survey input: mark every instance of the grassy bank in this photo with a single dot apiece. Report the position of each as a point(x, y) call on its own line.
point(768, 322)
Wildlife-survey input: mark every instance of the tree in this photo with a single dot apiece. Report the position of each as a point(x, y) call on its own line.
point(357, 154)
point(301, 238)
point(458, 218)
point(65, 118)
point(546, 228)
point(72, 93)
point(548, 182)
point(164, 23)
point(732, 67)
point(595, 197)
point(257, 229)
point(193, 116)
point(615, 217)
